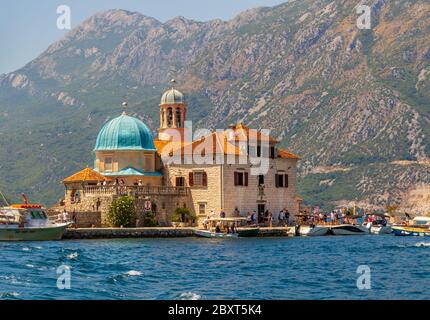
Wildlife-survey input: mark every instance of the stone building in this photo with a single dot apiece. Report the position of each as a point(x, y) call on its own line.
point(237, 170)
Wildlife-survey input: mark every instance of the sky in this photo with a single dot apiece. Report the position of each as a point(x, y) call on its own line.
point(28, 27)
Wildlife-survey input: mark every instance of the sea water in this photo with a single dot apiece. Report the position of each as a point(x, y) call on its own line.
point(192, 268)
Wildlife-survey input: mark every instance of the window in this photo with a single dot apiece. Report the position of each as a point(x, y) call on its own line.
point(258, 151)
point(281, 180)
point(108, 164)
point(198, 179)
point(241, 178)
point(178, 118)
point(180, 182)
point(202, 208)
point(261, 180)
point(169, 117)
point(272, 152)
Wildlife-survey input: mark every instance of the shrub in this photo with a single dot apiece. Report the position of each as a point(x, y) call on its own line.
point(122, 212)
point(183, 215)
point(149, 219)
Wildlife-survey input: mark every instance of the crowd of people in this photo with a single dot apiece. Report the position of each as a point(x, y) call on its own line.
point(262, 219)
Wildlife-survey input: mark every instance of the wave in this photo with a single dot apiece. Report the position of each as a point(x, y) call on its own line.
point(72, 256)
point(133, 273)
point(189, 296)
point(422, 244)
point(6, 295)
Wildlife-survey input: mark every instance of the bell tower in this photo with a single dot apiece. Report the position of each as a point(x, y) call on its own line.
point(173, 111)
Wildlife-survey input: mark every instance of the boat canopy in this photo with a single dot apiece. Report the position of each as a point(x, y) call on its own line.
point(231, 219)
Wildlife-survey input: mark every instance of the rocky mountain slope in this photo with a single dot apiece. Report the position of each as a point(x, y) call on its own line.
point(355, 104)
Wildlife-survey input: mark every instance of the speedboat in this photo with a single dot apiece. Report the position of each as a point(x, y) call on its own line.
point(313, 230)
point(213, 234)
point(28, 222)
point(379, 225)
point(348, 229)
point(380, 229)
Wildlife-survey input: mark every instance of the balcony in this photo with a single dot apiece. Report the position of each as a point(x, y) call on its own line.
point(135, 190)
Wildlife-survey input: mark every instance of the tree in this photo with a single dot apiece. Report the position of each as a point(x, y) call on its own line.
point(183, 215)
point(122, 212)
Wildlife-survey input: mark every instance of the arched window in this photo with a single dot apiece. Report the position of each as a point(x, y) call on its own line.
point(178, 118)
point(169, 117)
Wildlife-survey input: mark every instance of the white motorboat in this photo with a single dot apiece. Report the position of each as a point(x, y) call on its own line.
point(379, 224)
point(380, 229)
point(313, 230)
point(28, 222)
point(348, 229)
point(213, 234)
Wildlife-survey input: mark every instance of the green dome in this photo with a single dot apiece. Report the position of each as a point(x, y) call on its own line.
point(125, 133)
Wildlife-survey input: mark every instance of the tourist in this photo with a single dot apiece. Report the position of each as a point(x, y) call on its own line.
point(218, 229)
point(233, 227)
point(320, 217)
point(254, 217)
point(248, 218)
point(287, 217)
point(281, 218)
point(266, 217)
point(270, 219)
point(74, 219)
point(332, 217)
point(65, 216)
point(236, 212)
point(339, 217)
point(222, 214)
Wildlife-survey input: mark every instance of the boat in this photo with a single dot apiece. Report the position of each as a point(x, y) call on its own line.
point(381, 229)
point(418, 226)
point(213, 234)
point(237, 224)
point(28, 222)
point(313, 230)
point(348, 229)
point(248, 232)
point(411, 231)
point(379, 225)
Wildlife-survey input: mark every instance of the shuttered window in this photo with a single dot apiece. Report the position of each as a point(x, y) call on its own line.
point(198, 179)
point(180, 181)
point(241, 178)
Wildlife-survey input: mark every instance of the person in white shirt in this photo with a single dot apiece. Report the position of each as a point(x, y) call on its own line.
point(65, 216)
point(281, 218)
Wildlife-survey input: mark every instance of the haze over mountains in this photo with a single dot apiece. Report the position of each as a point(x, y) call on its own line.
point(355, 104)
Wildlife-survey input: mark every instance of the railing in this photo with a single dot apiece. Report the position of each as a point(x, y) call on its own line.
point(136, 190)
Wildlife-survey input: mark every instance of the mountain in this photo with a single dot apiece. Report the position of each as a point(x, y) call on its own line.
point(355, 104)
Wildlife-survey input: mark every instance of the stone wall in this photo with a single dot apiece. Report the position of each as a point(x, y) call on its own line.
point(275, 199)
point(209, 195)
point(103, 233)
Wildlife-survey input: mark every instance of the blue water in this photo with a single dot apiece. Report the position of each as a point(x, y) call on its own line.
point(268, 268)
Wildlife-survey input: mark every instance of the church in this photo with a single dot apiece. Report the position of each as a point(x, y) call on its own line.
point(237, 170)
